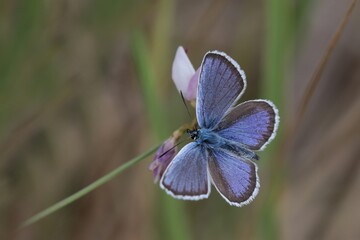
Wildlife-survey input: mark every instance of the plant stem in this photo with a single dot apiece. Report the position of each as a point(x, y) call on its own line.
point(101, 181)
point(314, 81)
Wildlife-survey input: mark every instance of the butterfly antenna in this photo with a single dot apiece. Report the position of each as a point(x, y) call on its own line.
point(187, 109)
point(171, 148)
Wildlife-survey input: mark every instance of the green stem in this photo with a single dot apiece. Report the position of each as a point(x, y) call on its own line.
point(277, 51)
point(57, 206)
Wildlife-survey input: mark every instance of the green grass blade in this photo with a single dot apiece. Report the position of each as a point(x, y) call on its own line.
point(148, 83)
point(101, 181)
point(172, 215)
point(277, 47)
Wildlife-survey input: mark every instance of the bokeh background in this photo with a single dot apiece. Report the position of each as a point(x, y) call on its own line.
point(85, 85)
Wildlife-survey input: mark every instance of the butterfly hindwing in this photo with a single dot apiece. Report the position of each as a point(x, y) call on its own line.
point(234, 177)
point(221, 83)
point(186, 177)
point(252, 124)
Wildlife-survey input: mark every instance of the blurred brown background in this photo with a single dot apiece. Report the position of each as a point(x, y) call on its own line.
point(85, 85)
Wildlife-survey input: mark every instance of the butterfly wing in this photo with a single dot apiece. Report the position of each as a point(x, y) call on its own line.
point(234, 177)
point(186, 177)
point(253, 124)
point(221, 83)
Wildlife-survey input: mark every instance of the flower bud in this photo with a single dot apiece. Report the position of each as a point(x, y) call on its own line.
point(184, 75)
point(163, 156)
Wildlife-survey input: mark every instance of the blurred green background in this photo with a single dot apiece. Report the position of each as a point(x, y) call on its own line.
point(85, 85)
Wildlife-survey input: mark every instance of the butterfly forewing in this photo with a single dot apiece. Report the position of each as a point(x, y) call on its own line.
point(186, 176)
point(252, 124)
point(221, 82)
point(234, 177)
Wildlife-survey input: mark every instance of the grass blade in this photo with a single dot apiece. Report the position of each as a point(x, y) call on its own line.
point(81, 193)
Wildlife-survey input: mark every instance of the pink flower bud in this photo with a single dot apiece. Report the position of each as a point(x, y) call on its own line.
point(184, 75)
point(163, 156)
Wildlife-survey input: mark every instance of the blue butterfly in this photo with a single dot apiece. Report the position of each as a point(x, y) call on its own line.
point(222, 152)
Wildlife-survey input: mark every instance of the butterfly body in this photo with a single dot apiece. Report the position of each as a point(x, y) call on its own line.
point(224, 146)
point(211, 140)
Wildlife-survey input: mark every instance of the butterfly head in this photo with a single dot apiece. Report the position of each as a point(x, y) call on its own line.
point(194, 134)
point(206, 137)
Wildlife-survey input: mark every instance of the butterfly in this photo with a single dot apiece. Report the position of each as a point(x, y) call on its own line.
point(222, 152)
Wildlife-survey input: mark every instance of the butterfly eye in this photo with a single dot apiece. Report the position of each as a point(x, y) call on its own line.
point(194, 134)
